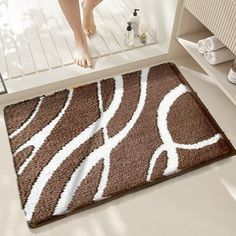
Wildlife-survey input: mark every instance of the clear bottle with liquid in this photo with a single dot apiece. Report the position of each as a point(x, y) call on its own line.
point(135, 22)
point(232, 73)
point(129, 35)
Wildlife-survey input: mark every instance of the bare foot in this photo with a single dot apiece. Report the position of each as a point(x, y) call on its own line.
point(89, 26)
point(81, 54)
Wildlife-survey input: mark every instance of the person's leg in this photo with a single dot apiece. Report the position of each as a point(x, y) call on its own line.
point(71, 10)
point(88, 19)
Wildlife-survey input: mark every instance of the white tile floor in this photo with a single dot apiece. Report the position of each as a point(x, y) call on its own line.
point(202, 202)
point(35, 37)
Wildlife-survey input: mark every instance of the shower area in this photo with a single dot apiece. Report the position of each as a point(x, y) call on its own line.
point(36, 42)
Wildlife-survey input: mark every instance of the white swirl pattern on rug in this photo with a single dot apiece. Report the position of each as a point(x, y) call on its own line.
point(68, 149)
point(168, 143)
point(24, 125)
point(39, 138)
point(104, 151)
point(101, 153)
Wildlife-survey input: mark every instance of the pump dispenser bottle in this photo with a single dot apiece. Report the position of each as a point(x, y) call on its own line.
point(135, 22)
point(129, 35)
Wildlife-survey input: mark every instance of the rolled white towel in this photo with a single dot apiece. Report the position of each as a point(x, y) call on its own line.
point(219, 56)
point(212, 44)
point(201, 44)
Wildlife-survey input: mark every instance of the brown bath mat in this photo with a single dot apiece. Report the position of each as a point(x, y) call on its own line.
point(77, 148)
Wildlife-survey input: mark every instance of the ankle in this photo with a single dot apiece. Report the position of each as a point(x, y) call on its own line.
point(81, 43)
point(80, 38)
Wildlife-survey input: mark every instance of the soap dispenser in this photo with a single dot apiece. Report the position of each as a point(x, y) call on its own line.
point(129, 35)
point(135, 22)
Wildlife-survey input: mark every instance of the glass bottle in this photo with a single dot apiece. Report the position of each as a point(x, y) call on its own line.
point(130, 35)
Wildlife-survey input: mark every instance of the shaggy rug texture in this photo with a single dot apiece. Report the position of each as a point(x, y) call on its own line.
point(81, 147)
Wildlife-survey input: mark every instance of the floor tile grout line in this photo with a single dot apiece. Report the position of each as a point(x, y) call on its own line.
point(104, 23)
point(13, 36)
point(30, 49)
point(37, 32)
point(5, 60)
point(102, 38)
point(54, 44)
point(62, 32)
point(111, 15)
point(111, 30)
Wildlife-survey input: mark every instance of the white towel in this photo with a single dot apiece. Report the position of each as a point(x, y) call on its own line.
point(201, 46)
point(219, 56)
point(213, 44)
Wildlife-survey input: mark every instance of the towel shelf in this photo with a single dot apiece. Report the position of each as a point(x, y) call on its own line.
point(218, 73)
point(201, 19)
point(218, 16)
